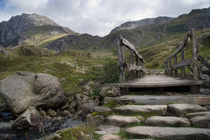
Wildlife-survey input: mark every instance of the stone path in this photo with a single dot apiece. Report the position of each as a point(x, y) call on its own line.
point(169, 117)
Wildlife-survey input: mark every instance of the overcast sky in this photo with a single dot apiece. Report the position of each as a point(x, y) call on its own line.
point(98, 17)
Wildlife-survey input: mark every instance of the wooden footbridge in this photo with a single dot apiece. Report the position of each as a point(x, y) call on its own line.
point(179, 72)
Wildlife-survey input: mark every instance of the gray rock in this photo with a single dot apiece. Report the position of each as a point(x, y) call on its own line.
point(163, 99)
point(200, 119)
point(101, 109)
point(169, 133)
point(167, 121)
point(95, 119)
point(107, 129)
point(181, 109)
point(121, 120)
point(51, 113)
point(25, 89)
point(109, 92)
point(157, 109)
point(88, 107)
point(110, 137)
point(30, 117)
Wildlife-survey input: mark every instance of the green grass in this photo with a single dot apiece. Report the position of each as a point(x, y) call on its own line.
point(84, 132)
point(74, 66)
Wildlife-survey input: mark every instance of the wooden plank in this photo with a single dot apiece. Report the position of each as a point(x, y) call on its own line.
point(166, 67)
point(133, 67)
point(180, 47)
point(120, 53)
point(182, 63)
point(127, 44)
point(132, 62)
point(183, 67)
point(175, 63)
point(195, 55)
point(203, 61)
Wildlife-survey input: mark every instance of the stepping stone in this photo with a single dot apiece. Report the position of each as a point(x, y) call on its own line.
point(110, 137)
point(138, 109)
point(167, 121)
point(164, 99)
point(107, 129)
point(122, 120)
point(200, 119)
point(181, 109)
point(169, 133)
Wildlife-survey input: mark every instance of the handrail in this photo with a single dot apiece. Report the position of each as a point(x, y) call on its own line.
point(136, 65)
point(171, 68)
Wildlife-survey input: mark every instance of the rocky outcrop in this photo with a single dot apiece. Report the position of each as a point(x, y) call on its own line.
point(12, 31)
point(25, 89)
point(30, 117)
point(79, 42)
point(146, 21)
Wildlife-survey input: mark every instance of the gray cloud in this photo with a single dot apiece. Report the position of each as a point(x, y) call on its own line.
point(98, 17)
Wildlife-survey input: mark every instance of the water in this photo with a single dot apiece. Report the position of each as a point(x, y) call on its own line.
point(50, 126)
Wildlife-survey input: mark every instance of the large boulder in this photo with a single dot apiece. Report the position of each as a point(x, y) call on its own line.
point(25, 89)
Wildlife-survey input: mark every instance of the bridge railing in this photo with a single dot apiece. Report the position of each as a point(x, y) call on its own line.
point(136, 64)
point(175, 68)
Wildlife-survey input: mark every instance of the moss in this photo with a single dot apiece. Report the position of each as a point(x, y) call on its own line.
point(84, 132)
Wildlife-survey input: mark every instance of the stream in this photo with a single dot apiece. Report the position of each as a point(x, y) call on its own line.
point(50, 126)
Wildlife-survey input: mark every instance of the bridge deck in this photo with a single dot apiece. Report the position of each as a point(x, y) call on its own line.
point(150, 81)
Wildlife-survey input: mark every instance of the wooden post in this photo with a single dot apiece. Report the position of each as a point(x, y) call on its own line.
point(170, 72)
point(137, 64)
point(182, 68)
point(175, 62)
point(132, 62)
point(166, 67)
point(195, 55)
point(120, 53)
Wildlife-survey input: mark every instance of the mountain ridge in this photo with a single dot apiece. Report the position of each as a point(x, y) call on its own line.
point(13, 30)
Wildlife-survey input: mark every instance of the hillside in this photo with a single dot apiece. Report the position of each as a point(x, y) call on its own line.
point(143, 33)
point(146, 21)
point(147, 35)
point(28, 28)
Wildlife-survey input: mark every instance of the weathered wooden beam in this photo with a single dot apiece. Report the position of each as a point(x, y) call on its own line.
point(180, 47)
point(137, 63)
point(170, 67)
point(166, 67)
point(203, 61)
point(134, 67)
point(182, 63)
point(120, 53)
point(132, 62)
point(127, 44)
point(175, 63)
point(183, 67)
point(195, 55)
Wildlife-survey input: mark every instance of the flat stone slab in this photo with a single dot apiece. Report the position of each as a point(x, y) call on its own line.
point(200, 119)
point(157, 109)
point(107, 129)
point(162, 100)
point(181, 109)
point(122, 120)
point(110, 137)
point(170, 133)
point(167, 121)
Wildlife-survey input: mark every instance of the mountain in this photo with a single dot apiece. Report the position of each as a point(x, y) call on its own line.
point(147, 35)
point(42, 32)
point(23, 27)
point(81, 42)
point(146, 21)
